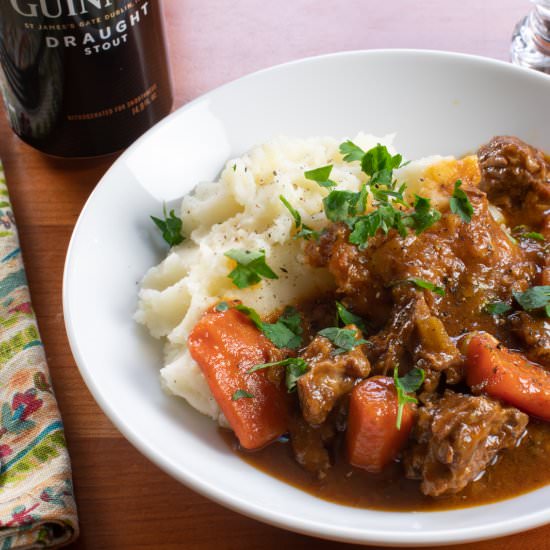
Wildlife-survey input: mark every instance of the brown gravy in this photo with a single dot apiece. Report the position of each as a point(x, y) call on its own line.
point(517, 471)
point(478, 264)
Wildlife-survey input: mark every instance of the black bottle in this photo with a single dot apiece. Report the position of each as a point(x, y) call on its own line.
point(83, 77)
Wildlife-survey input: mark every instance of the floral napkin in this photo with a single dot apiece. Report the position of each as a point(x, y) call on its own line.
point(37, 507)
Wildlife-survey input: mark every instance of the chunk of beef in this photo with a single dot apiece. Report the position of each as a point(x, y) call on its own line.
point(457, 437)
point(413, 332)
point(388, 347)
point(313, 445)
point(309, 445)
point(352, 272)
point(329, 376)
point(466, 259)
point(535, 334)
point(515, 177)
point(434, 351)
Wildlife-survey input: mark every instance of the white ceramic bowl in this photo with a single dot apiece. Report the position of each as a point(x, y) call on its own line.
point(436, 102)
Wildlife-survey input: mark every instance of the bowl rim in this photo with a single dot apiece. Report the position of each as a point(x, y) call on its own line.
point(232, 501)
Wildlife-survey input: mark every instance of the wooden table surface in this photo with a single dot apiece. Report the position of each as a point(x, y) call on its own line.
point(125, 502)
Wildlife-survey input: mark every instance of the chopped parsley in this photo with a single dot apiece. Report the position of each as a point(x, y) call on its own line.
point(295, 368)
point(349, 207)
point(239, 394)
point(384, 218)
point(379, 164)
point(170, 227)
point(321, 176)
point(497, 308)
point(286, 332)
point(293, 212)
point(349, 318)
point(460, 203)
point(536, 297)
point(304, 231)
point(251, 313)
point(251, 267)
point(341, 205)
point(424, 215)
point(345, 339)
point(307, 233)
point(521, 231)
point(532, 235)
point(421, 283)
point(351, 152)
point(406, 385)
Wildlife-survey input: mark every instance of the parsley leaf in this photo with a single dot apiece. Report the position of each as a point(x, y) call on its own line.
point(170, 227)
point(421, 283)
point(390, 218)
point(295, 367)
point(293, 212)
point(385, 217)
point(252, 314)
point(362, 199)
point(304, 232)
point(387, 194)
point(349, 318)
point(367, 226)
point(345, 339)
point(378, 158)
point(250, 269)
point(294, 370)
point(424, 216)
point(363, 228)
point(535, 297)
point(497, 308)
point(342, 205)
point(307, 233)
point(321, 176)
point(351, 152)
point(521, 231)
point(286, 332)
point(379, 164)
point(460, 203)
point(239, 394)
point(532, 235)
point(409, 383)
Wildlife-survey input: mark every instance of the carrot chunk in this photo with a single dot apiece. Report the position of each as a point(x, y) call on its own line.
point(226, 345)
point(372, 437)
point(506, 375)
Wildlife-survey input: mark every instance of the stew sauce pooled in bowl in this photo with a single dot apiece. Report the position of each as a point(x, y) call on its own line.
point(372, 331)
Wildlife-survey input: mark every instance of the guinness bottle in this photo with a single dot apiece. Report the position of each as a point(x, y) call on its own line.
point(83, 77)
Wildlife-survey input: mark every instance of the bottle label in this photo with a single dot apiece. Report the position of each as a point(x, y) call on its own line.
point(94, 26)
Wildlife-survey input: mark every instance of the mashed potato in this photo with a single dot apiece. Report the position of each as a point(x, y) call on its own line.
point(243, 210)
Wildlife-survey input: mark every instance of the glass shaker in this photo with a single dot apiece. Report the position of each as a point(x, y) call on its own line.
point(531, 39)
